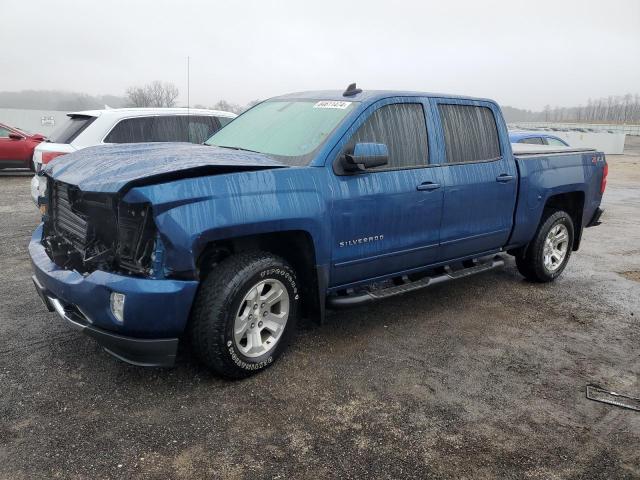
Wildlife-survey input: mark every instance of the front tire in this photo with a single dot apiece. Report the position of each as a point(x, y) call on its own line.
point(245, 314)
point(549, 252)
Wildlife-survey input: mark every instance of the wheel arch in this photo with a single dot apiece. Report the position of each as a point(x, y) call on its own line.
point(573, 204)
point(295, 246)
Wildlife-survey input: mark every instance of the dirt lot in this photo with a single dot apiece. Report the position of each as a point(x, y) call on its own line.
point(481, 378)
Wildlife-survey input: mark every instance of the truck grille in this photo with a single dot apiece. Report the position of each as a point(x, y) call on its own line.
point(85, 231)
point(66, 223)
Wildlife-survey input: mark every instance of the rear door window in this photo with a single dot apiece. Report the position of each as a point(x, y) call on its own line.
point(170, 129)
point(131, 130)
point(71, 128)
point(470, 133)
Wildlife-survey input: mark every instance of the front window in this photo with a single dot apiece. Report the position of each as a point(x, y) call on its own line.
point(23, 131)
point(402, 128)
point(291, 131)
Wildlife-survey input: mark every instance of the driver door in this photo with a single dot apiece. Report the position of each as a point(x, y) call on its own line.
point(386, 219)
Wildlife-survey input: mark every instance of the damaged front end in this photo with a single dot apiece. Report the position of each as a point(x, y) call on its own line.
point(87, 231)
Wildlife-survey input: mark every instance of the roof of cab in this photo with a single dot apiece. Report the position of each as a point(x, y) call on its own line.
point(368, 95)
point(134, 112)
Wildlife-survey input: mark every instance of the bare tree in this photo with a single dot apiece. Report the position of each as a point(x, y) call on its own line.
point(227, 107)
point(154, 94)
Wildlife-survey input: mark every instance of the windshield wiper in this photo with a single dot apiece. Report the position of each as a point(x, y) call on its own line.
point(238, 148)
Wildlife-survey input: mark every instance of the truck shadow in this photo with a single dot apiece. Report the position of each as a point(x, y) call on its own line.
point(343, 334)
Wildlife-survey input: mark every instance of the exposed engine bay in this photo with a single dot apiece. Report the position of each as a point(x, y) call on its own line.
point(88, 231)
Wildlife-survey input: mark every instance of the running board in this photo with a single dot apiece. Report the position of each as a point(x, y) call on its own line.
point(369, 296)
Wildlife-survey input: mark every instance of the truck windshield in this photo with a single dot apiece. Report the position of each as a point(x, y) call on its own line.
point(291, 131)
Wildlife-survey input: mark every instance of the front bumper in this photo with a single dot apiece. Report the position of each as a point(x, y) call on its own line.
point(155, 312)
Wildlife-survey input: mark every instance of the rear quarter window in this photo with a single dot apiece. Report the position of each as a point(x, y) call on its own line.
point(224, 120)
point(470, 133)
point(202, 127)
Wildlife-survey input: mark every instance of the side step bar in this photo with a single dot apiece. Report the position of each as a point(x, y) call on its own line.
point(363, 297)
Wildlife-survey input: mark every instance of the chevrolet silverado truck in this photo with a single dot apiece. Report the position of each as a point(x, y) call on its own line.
point(307, 201)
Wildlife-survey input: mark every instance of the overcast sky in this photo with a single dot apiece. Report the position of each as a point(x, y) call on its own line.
point(524, 54)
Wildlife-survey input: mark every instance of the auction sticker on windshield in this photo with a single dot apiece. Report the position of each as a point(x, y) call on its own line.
point(332, 104)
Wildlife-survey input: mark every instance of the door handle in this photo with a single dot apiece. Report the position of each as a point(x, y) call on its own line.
point(428, 186)
point(504, 178)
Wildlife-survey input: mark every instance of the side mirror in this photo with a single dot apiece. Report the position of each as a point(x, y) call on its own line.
point(365, 155)
point(15, 136)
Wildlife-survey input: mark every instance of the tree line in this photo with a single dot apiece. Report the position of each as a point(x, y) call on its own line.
point(163, 94)
point(153, 94)
point(611, 109)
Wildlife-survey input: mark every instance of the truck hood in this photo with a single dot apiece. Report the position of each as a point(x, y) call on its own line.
point(110, 168)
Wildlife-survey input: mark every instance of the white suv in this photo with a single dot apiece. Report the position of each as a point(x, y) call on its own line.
point(126, 125)
point(129, 125)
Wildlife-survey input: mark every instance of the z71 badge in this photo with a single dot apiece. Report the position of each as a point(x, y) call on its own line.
point(360, 241)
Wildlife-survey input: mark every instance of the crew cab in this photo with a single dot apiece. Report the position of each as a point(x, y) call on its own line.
point(306, 201)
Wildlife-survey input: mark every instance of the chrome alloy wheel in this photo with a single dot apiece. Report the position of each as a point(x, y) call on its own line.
point(261, 318)
point(556, 246)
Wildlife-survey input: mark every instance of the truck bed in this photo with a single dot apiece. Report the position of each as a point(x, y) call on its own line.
point(523, 149)
point(544, 172)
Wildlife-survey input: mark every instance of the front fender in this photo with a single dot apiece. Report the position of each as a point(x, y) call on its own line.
point(190, 213)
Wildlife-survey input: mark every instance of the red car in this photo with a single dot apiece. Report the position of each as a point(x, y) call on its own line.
point(16, 147)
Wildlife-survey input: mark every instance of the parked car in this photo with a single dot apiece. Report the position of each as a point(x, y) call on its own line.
point(305, 201)
point(127, 125)
point(16, 146)
point(536, 138)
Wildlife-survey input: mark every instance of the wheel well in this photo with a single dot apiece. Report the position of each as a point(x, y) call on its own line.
point(295, 246)
point(573, 204)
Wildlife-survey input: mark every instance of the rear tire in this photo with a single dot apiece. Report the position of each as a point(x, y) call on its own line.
point(238, 327)
point(550, 250)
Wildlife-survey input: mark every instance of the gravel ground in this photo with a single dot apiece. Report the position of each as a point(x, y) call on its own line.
point(480, 378)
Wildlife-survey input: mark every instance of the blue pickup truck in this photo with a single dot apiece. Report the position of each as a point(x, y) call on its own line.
point(307, 201)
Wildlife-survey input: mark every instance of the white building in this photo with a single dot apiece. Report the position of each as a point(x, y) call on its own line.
point(35, 121)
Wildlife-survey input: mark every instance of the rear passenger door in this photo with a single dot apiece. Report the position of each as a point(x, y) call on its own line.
point(480, 178)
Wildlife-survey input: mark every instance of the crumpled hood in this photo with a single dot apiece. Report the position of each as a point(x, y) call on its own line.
point(109, 168)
